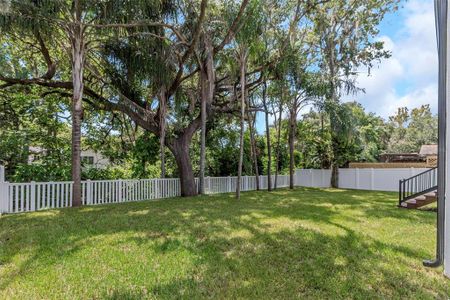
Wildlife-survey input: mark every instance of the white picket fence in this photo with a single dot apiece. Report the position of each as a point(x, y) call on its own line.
point(32, 196)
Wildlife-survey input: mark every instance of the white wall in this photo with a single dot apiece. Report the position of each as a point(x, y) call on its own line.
point(360, 179)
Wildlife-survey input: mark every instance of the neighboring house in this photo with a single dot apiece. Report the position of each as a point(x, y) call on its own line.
point(430, 152)
point(426, 158)
point(34, 153)
point(89, 157)
point(95, 159)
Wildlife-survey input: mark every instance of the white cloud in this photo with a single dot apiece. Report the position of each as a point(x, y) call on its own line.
point(409, 77)
point(416, 98)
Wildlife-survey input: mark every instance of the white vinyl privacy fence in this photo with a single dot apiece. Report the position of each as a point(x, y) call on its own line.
point(31, 196)
point(360, 179)
point(313, 178)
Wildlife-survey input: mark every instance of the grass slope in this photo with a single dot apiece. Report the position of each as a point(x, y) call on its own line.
point(307, 243)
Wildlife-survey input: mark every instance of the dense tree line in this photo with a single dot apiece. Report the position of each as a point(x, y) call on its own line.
point(149, 81)
point(134, 153)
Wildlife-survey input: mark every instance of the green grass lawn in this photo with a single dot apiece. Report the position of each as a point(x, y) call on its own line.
point(307, 243)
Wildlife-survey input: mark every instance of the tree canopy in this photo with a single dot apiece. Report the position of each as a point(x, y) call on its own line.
point(146, 82)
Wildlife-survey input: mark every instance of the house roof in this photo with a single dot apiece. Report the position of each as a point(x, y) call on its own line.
point(428, 150)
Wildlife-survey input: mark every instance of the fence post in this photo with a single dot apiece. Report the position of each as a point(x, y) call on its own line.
point(33, 195)
point(312, 177)
point(119, 191)
point(88, 192)
point(4, 197)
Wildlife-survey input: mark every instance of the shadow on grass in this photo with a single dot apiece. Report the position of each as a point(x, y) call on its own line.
point(257, 247)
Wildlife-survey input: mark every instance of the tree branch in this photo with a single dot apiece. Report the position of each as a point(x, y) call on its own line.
point(191, 48)
point(233, 28)
point(51, 67)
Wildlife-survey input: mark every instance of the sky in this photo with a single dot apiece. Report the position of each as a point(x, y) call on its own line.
point(409, 77)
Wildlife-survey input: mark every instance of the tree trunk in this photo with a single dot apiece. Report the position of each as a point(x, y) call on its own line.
point(253, 149)
point(335, 149)
point(207, 90)
point(292, 132)
point(78, 55)
point(242, 62)
point(269, 149)
point(333, 120)
point(278, 144)
point(180, 150)
point(334, 175)
point(324, 164)
point(162, 124)
point(204, 85)
point(334, 161)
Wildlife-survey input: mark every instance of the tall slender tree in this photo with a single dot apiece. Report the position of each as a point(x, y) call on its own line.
point(243, 56)
point(268, 144)
point(247, 41)
point(251, 119)
point(345, 32)
point(278, 123)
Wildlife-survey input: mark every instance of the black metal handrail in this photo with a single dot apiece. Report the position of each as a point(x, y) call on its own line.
point(417, 185)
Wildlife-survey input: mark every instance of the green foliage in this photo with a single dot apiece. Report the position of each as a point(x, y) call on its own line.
point(34, 125)
point(222, 151)
point(361, 137)
point(410, 130)
point(144, 153)
point(108, 173)
point(314, 141)
point(42, 172)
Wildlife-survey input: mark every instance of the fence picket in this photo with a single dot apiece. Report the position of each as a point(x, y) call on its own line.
point(22, 197)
